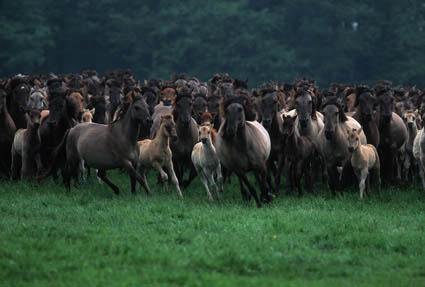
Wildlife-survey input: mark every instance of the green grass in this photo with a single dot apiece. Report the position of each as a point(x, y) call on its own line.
point(90, 237)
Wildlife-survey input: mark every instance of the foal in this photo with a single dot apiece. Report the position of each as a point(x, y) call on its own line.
point(364, 159)
point(298, 151)
point(156, 153)
point(205, 160)
point(25, 148)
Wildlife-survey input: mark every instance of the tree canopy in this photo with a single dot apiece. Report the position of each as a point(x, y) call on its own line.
point(330, 41)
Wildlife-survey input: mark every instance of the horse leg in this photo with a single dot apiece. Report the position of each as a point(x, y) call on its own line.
point(169, 167)
point(205, 182)
point(244, 193)
point(128, 166)
point(133, 184)
point(220, 180)
point(280, 164)
point(333, 177)
point(299, 174)
point(102, 175)
point(262, 183)
point(250, 188)
point(363, 177)
point(192, 176)
point(16, 163)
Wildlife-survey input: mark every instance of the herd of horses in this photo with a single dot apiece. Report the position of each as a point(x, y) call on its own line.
point(68, 125)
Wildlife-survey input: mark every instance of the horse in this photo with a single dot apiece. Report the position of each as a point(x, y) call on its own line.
point(156, 153)
point(333, 140)
point(298, 154)
point(98, 104)
point(113, 97)
point(106, 147)
point(151, 95)
point(187, 133)
point(364, 159)
point(18, 90)
point(7, 131)
point(87, 116)
point(213, 107)
point(38, 99)
point(200, 106)
point(64, 112)
point(408, 161)
point(365, 103)
point(206, 162)
point(244, 146)
point(26, 144)
point(272, 121)
point(393, 134)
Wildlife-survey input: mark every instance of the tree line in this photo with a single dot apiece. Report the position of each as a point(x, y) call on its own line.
point(330, 41)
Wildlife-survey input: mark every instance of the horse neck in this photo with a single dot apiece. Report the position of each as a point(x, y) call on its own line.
point(208, 146)
point(161, 139)
point(411, 133)
point(6, 122)
point(358, 153)
point(127, 127)
point(307, 130)
point(292, 143)
point(275, 129)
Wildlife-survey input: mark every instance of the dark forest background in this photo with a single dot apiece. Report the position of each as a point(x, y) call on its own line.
point(344, 41)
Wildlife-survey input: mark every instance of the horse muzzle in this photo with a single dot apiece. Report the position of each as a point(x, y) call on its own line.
point(267, 123)
point(350, 149)
point(303, 123)
point(204, 140)
point(51, 123)
point(329, 135)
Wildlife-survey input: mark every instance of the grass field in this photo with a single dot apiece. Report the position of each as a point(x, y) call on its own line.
point(92, 238)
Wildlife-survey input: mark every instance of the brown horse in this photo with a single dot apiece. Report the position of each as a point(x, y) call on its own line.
point(272, 121)
point(7, 131)
point(64, 113)
point(18, 90)
point(366, 103)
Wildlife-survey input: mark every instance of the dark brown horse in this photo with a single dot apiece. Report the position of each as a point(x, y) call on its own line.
point(272, 121)
point(366, 106)
point(63, 114)
point(18, 90)
point(7, 131)
point(393, 135)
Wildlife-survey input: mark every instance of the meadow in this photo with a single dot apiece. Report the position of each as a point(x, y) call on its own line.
point(90, 237)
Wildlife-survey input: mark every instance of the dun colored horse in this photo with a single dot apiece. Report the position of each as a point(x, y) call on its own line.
point(206, 162)
point(106, 147)
point(244, 146)
point(156, 153)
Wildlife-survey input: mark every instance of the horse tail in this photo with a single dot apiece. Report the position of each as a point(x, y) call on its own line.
point(58, 158)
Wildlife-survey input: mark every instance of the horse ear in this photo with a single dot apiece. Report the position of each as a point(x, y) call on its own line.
point(92, 111)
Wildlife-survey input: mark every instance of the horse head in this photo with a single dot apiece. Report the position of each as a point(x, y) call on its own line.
point(183, 106)
point(365, 102)
point(333, 115)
